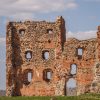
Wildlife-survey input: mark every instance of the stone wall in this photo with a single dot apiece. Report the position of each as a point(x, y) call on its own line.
point(39, 49)
point(85, 72)
point(95, 86)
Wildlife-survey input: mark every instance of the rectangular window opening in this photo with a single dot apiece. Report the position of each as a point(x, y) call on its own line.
point(79, 53)
point(49, 75)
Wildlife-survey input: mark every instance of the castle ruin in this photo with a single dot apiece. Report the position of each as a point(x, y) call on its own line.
point(41, 62)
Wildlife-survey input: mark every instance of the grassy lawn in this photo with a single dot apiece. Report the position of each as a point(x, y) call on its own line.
point(81, 97)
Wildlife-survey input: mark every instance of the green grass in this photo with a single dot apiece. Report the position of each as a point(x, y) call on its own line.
point(81, 97)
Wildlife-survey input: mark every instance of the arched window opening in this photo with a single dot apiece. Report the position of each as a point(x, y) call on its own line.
point(50, 31)
point(47, 75)
point(28, 55)
point(79, 53)
point(73, 69)
point(22, 32)
point(28, 75)
point(45, 55)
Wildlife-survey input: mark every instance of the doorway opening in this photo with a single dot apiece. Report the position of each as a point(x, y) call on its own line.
point(71, 87)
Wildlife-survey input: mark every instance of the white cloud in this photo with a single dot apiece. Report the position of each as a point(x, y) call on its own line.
point(81, 35)
point(27, 8)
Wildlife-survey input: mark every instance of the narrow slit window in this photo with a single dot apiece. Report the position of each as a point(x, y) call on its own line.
point(49, 75)
point(29, 76)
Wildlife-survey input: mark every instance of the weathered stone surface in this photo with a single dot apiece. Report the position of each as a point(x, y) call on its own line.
point(36, 38)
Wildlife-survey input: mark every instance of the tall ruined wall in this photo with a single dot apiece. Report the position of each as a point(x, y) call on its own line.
point(98, 40)
point(34, 39)
point(84, 63)
point(95, 86)
point(39, 60)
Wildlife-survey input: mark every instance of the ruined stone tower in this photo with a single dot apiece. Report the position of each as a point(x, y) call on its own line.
point(39, 60)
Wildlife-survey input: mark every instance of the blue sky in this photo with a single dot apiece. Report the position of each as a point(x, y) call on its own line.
point(82, 18)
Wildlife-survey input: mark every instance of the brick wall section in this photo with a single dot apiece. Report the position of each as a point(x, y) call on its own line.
point(95, 86)
point(85, 73)
point(37, 39)
point(98, 39)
